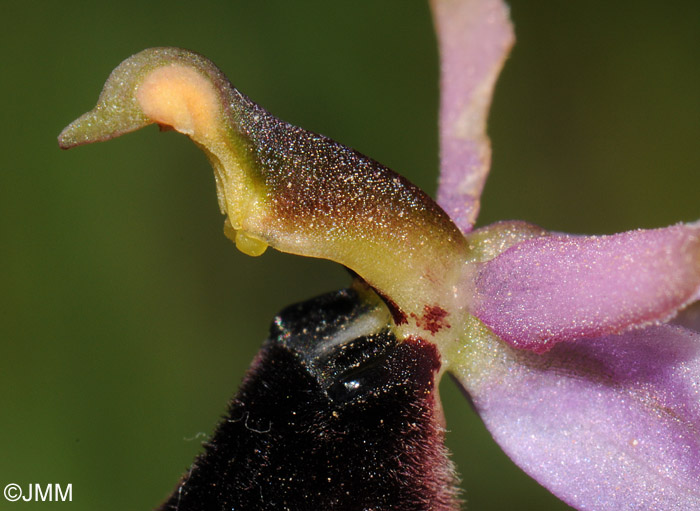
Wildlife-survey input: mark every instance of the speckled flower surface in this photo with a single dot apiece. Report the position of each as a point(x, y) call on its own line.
point(562, 342)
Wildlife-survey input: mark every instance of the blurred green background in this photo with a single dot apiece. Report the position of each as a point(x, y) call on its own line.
point(127, 319)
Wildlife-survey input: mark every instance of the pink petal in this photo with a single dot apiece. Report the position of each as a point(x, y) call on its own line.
point(474, 37)
point(611, 423)
point(557, 288)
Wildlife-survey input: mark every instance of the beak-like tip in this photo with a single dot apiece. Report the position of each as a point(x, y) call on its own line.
point(66, 139)
point(99, 125)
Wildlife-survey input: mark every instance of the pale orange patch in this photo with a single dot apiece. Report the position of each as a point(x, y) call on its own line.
point(180, 97)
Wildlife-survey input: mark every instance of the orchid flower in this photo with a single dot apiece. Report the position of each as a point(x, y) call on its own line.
point(569, 347)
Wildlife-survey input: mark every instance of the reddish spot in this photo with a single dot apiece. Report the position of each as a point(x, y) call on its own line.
point(165, 127)
point(397, 314)
point(433, 319)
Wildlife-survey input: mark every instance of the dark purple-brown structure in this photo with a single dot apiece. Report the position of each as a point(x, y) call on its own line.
point(333, 415)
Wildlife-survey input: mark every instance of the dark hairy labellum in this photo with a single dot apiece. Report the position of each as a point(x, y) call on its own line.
point(334, 414)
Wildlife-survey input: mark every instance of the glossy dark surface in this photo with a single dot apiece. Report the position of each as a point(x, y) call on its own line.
point(334, 414)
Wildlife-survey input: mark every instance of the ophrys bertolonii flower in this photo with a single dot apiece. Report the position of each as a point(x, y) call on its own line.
point(562, 342)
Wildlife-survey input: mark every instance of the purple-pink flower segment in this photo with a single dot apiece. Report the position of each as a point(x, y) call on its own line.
point(598, 397)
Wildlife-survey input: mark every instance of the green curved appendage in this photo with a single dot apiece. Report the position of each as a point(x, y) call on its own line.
point(285, 187)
